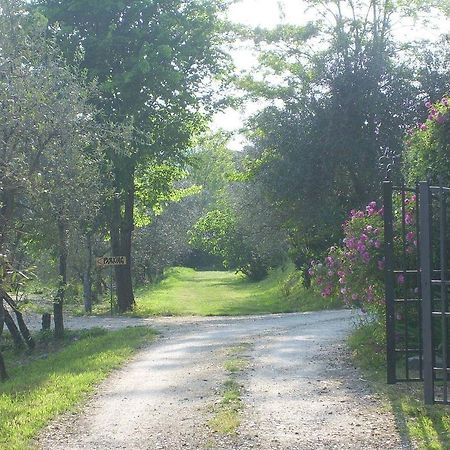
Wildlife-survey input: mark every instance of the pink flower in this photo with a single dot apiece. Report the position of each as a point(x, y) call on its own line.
point(326, 292)
point(361, 248)
point(380, 264)
point(410, 236)
point(401, 279)
point(329, 260)
point(377, 244)
point(409, 218)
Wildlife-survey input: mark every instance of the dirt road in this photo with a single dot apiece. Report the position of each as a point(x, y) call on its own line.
point(300, 391)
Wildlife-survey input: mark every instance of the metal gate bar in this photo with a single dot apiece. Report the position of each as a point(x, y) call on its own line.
point(400, 304)
point(426, 275)
point(444, 299)
point(435, 286)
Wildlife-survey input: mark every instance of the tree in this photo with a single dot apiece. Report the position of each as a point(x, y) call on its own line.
point(340, 100)
point(43, 118)
point(153, 61)
point(238, 223)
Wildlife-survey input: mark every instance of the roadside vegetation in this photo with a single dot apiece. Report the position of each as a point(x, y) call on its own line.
point(57, 376)
point(185, 291)
point(227, 413)
point(428, 427)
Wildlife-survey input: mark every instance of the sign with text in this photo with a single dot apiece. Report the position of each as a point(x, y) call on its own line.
point(108, 261)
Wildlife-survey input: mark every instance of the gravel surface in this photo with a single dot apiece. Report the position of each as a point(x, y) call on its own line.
point(300, 391)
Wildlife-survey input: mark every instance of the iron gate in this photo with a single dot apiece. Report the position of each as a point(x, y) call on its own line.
point(417, 287)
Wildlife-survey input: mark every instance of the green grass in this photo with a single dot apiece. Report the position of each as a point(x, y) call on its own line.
point(226, 417)
point(53, 380)
point(227, 413)
point(188, 292)
point(427, 426)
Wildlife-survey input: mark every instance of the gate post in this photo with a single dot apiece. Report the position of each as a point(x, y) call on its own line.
point(426, 275)
point(389, 281)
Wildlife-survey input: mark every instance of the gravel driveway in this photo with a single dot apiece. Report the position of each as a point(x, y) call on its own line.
point(300, 390)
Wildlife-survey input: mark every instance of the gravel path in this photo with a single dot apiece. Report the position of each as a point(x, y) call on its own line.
point(300, 391)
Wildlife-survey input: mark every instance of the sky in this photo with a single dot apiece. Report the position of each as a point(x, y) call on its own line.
point(267, 14)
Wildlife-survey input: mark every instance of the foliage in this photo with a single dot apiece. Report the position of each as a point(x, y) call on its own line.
point(338, 100)
point(154, 62)
point(427, 155)
point(41, 388)
point(238, 223)
point(355, 271)
point(164, 241)
point(45, 122)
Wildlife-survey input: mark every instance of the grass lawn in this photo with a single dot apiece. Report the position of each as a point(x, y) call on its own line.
point(188, 292)
point(53, 380)
point(427, 426)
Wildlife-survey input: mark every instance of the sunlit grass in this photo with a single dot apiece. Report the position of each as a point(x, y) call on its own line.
point(188, 292)
point(43, 385)
point(428, 427)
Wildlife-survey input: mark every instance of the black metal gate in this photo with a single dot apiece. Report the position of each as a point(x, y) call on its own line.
point(417, 287)
point(434, 263)
point(403, 284)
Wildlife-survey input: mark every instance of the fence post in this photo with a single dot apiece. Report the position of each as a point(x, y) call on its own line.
point(389, 281)
point(426, 274)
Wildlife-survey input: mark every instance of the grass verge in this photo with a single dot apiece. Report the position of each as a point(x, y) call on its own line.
point(428, 427)
point(188, 292)
point(53, 379)
point(226, 414)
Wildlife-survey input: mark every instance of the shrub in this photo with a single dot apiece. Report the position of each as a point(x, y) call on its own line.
point(427, 153)
point(354, 272)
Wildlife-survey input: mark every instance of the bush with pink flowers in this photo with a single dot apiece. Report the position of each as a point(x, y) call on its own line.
point(354, 272)
point(427, 154)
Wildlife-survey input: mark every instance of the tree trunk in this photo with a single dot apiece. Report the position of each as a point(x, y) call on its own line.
point(46, 321)
point(122, 225)
point(3, 374)
point(22, 326)
point(59, 300)
point(87, 276)
point(14, 331)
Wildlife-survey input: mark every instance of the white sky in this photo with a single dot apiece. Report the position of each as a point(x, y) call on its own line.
point(269, 13)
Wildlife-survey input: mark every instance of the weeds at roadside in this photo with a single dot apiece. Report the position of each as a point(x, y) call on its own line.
point(227, 413)
point(427, 426)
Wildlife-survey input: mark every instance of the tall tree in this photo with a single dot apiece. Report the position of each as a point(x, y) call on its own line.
point(341, 98)
point(154, 61)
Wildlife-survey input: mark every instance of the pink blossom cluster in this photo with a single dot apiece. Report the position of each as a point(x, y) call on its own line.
point(437, 113)
point(355, 271)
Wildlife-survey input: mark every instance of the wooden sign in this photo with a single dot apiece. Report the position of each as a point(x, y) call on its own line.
point(108, 261)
